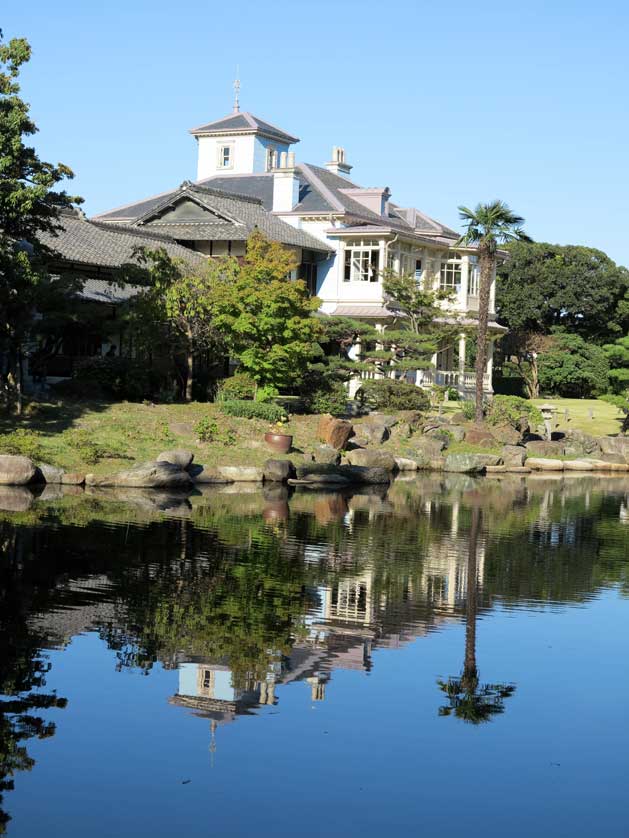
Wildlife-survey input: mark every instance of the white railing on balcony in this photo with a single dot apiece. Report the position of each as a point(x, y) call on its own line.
point(453, 378)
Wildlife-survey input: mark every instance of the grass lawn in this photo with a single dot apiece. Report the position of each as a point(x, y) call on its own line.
point(590, 415)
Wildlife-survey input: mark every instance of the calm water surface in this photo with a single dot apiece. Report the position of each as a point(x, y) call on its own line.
point(445, 658)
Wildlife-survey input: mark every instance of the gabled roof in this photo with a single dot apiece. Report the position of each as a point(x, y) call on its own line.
point(246, 123)
point(227, 217)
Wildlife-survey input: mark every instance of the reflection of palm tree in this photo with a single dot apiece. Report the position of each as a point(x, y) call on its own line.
point(469, 700)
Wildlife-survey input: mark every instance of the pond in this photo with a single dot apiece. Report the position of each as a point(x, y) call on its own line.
point(446, 656)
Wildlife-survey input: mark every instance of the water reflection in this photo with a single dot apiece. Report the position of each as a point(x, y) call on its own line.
point(245, 592)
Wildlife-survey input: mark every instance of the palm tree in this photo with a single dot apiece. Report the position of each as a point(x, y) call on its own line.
point(467, 698)
point(487, 226)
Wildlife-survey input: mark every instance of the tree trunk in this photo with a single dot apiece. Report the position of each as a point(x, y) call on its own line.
point(470, 672)
point(486, 273)
point(189, 375)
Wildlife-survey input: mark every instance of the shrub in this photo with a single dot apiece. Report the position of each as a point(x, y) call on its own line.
point(391, 394)
point(23, 442)
point(91, 451)
point(266, 393)
point(208, 430)
point(507, 410)
point(453, 394)
point(469, 410)
point(116, 378)
point(238, 387)
point(573, 367)
point(253, 410)
point(331, 398)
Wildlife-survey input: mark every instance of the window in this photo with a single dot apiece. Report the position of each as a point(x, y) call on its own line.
point(225, 156)
point(308, 272)
point(418, 270)
point(362, 261)
point(473, 278)
point(271, 158)
point(450, 277)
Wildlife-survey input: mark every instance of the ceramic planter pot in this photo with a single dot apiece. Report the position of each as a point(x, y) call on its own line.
point(280, 443)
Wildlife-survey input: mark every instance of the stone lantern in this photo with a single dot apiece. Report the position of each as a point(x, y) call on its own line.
point(547, 411)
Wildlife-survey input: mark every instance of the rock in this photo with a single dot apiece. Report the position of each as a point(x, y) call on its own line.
point(544, 464)
point(442, 433)
point(437, 464)
point(578, 465)
point(334, 432)
point(606, 465)
point(326, 454)
point(16, 470)
point(372, 459)
point(457, 432)
point(15, 498)
point(368, 475)
point(206, 474)
point(278, 471)
point(373, 433)
point(50, 474)
point(479, 435)
point(513, 455)
point(615, 445)
point(152, 475)
point(178, 457)
point(241, 474)
point(506, 434)
point(312, 472)
point(428, 447)
point(610, 458)
point(321, 480)
point(581, 443)
point(459, 418)
point(470, 463)
point(523, 425)
point(544, 448)
point(518, 469)
point(405, 464)
point(381, 419)
point(495, 469)
point(73, 478)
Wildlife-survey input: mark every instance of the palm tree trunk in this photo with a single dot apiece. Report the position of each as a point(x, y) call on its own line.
point(470, 672)
point(486, 274)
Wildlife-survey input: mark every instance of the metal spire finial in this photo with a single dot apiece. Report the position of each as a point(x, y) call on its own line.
point(237, 90)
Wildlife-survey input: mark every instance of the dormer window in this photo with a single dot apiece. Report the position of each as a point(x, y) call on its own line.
point(226, 156)
point(271, 158)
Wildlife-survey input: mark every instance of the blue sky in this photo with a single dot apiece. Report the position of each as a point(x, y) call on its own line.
point(446, 104)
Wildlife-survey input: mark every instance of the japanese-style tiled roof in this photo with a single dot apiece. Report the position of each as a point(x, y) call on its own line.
point(244, 122)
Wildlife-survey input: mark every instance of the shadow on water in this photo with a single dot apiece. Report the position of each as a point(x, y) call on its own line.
point(243, 590)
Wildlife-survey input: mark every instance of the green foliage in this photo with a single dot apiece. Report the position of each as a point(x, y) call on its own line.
point(111, 378)
point(332, 399)
point(574, 367)
point(508, 410)
point(542, 286)
point(240, 386)
point(468, 409)
point(617, 355)
point(453, 394)
point(253, 410)
point(92, 450)
point(208, 430)
point(267, 393)
point(23, 442)
point(392, 394)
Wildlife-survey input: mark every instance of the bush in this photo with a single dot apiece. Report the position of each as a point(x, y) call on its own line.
point(331, 398)
point(392, 394)
point(24, 443)
point(453, 394)
point(113, 378)
point(573, 368)
point(468, 409)
point(253, 410)
point(238, 387)
point(208, 430)
point(507, 410)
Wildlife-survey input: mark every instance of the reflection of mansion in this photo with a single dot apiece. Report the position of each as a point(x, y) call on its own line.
point(344, 235)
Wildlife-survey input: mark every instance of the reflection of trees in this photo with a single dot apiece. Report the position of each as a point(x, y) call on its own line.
point(468, 699)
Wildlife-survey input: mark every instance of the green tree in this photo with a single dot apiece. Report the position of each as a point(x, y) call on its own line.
point(29, 206)
point(488, 225)
point(573, 367)
point(542, 287)
point(617, 354)
point(266, 320)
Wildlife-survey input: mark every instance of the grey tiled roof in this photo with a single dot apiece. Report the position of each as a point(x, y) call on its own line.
point(102, 245)
point(244, 121)
point(243, 215)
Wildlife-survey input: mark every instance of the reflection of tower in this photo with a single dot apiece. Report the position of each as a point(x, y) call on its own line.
point(317, 687)
point(267, 692)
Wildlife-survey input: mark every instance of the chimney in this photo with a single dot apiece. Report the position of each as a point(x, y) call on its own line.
point(285, 184)
point(337, 164)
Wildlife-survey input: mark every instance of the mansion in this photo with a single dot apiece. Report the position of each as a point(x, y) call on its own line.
point(345, 235)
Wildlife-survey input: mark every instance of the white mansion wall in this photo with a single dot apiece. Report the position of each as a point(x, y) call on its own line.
point(242, 155)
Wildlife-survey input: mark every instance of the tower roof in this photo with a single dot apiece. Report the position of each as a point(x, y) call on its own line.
point(243, 123)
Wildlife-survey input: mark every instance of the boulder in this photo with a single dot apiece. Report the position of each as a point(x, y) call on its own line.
point(580, 443)
point(49, 474)
point(241, 474)
point(506, 434)
point(381, 419)
point(442, 433)
point(437, 464)
point(15, 498)
point(518, 469)
point(315, 472)
point(178, 457)
point(610, 458)
point(152, 475)
point(495, 469)
point(16, 470)
point(578, 465)
point(278, 471)
point(606, 465)
point(326, 454)
point(373, 433)
point(368, 475)
point(373, 458)
point(479, 435)
point(334, 432)
point(405, 464)
point(615, 445)
point(513, 455)
point(314, 479)
point(544, 464)
point(73, 478)
point(458, 418)
point(544, 448)
point(206, 474)
point(457, 432)
point(427, 447)
point(470, 463)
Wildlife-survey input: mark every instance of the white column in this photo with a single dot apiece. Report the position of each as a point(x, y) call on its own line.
point(490, 364)
point(465, 274)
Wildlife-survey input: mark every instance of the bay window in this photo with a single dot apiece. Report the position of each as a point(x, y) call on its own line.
point(362, 261)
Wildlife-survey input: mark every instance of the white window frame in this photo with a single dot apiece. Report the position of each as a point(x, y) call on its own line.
point(271, 158)
point(451, 273)
point(220, 155)
point(473, 277)
point(359, 258)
